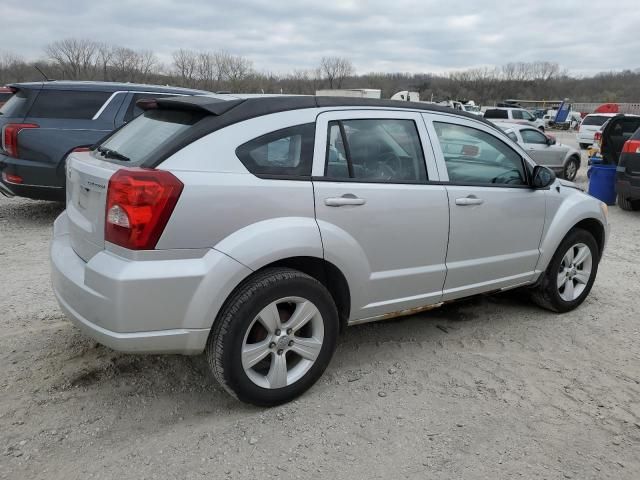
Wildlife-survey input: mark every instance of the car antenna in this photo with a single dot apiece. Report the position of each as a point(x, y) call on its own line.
point(43, 74)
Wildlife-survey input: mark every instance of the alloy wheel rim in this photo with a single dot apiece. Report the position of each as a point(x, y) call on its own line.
point(571, 171)
point(574, 272)
point(282, 342)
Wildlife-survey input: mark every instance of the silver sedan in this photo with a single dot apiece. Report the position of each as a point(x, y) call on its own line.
point(544, 149)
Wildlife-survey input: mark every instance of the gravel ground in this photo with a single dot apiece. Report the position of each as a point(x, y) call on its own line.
point(489, 388)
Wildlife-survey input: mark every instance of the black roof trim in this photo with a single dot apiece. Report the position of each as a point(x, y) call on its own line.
point(244, 109)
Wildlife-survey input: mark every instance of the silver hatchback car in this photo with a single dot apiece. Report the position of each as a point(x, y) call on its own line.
point(254, 230)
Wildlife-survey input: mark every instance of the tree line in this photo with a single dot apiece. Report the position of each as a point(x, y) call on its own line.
point(219, 70)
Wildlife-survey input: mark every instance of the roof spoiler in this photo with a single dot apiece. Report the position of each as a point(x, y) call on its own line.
point(196, 103)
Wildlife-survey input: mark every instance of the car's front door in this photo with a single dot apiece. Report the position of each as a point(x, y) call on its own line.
point(496, 219)
point(537, 146)
point(381, 220)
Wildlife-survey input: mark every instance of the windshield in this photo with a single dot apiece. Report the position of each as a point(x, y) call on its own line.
point(140, 139)
point(597, 120)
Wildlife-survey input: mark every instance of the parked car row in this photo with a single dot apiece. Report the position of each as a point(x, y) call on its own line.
point(254, 230)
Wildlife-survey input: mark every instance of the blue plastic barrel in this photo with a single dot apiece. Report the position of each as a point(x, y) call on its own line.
point(602, 183)
point(595, 160)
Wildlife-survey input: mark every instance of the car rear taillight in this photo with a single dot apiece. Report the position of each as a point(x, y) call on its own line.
point(139, 204)
point(10, 137)
point(631, 146)
point(597, 138)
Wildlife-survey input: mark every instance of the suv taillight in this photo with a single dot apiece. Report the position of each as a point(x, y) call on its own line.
point(10, 137)
point(139, 204)
point(631, 146)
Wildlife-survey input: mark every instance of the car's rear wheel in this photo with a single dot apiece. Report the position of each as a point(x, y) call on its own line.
point(274, 337)
point(570, 274)
point(571, 169)
point(625, 203)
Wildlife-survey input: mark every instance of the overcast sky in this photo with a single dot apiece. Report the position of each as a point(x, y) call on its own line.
point(380, 35)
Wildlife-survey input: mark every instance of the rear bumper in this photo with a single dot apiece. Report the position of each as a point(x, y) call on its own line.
point(140, 306)
point(41, 181)
point(585, 137)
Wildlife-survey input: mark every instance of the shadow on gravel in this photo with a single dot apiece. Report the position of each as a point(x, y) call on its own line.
point(109, 374)
point(29, 212)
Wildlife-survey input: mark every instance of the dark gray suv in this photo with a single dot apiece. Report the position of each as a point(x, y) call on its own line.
point(44, 121)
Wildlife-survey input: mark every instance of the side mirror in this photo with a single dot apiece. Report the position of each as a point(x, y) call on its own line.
point(543, 177)
point(551, 141)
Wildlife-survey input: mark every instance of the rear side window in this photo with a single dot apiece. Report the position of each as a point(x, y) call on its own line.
point(512, 136)
point(380, 150)
point(68, 104)
point(597, 120)
point(286, 152)
point(496, 113)
point(18, 104)
point(145, 135)
point(134, 110)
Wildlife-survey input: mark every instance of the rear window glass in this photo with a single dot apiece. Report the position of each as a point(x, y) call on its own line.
point(287, 152)
point(597, 120)
point(145, 135)
point(495, 113)
point(133, 110)
point(68, 104)
point(16, 105)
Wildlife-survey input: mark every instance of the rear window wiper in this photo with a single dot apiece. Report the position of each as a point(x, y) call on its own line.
point(108, 153)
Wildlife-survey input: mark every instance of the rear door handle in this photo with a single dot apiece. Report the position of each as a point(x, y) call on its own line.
point(470, 200)
point(346, 199)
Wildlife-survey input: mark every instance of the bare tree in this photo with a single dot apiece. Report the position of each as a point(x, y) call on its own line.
point(335, 70)
point(185, 64)
point(75, 57)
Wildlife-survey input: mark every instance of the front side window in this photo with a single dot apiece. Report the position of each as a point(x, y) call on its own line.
point(533, 136)
point(78, 105)
point(473, 156)
point(287, 152)
point(517, 114)
point(528, 116)
point(375, 150)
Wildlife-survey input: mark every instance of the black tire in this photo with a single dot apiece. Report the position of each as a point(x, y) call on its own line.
point(625, 203)
point(224, 346)
point(565, 172)
point(546, 294)
point(584, 146)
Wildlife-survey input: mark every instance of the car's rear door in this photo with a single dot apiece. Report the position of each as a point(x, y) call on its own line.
point(496, 219)
point(382, 218)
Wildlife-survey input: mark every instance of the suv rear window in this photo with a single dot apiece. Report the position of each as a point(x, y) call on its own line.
point(597, 120)
point(68, 104)
point(17, 105)
point(145, 135)
point(496, 113)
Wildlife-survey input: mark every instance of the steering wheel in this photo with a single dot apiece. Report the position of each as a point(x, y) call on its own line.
point(383, 169)
point(510, 180)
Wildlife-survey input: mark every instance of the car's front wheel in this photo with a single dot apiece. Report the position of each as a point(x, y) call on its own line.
point(571, 169)
point(274, 337)
point(570, 274)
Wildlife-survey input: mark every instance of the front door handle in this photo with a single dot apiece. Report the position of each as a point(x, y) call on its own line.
point(470, 200)
point(346, 199)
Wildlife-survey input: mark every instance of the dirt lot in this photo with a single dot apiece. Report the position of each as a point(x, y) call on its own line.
point(491, 388)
